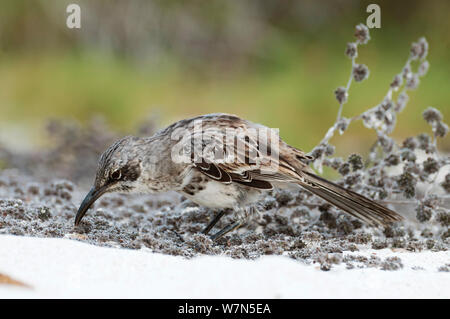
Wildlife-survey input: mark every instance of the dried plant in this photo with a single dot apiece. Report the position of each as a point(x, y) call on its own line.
point(407, 174)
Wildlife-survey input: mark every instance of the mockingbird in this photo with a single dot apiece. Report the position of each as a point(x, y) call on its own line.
point(220, 161)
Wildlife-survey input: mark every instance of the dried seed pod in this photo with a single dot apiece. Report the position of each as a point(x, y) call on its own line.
point(379, 112)
point(392, 160)
point(360, 72)
point(352, 50)
point(341, 95)
point(440, 129)
point(432, 115)
point(362, 34)
point(344, 169)
point(424, 140)
point(408, 155)
point(329, 149)
point(353, 179)
point(356, 162)
point(406, 72)
point(419, 49)
point(397, 82)
point(342, 124)
point(430, 166)
point(423, 213)
point(410, 143)
point(443, 218)
point(318, 151)
point(412, 82)
point(335, 163)
point(407, 183)
point(387, 104)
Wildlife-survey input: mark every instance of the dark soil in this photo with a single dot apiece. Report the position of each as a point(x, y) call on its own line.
point(40, 192)
point(170, 224)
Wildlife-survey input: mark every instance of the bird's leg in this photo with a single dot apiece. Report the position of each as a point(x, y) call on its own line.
point(227, 229)
point(242, 219)
point(213, 222)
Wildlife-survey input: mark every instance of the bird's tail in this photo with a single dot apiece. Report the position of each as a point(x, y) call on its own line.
point(353, 203)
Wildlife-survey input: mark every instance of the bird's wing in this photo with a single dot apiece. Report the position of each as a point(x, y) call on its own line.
point(251, 165)
point(231, 150)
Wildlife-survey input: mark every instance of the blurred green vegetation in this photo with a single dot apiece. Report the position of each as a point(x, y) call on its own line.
point(281, 73)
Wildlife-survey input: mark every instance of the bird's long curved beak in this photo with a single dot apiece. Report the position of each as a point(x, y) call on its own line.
point(90, 198)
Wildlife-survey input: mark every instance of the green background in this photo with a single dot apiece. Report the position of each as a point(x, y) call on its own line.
point(274, 62)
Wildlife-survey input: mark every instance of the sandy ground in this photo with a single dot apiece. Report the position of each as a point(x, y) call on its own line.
point(148, 246)
point(62, 268)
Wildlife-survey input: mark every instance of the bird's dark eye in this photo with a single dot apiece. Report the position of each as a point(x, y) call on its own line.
point(116, 175)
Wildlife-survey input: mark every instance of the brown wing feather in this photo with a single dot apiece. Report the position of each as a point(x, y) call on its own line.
point(351, 202)
point(252, 169)
point(213, 171)
point(248, 160)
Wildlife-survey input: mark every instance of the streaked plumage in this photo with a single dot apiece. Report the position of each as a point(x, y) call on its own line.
point(150, 165)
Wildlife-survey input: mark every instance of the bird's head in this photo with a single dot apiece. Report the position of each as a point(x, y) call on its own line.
point(119, 170)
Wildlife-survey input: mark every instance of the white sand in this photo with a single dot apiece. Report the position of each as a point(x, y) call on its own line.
point(64, 268)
